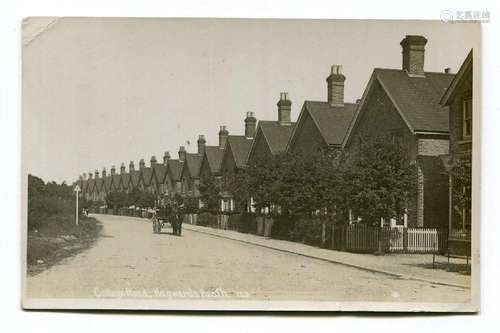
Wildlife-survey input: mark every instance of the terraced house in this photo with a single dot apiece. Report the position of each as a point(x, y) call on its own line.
point(272, 136)
point(323, 124)
point(237, 148)
point(404, 105)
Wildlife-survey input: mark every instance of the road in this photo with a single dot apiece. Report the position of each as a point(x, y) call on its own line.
point(129, 260)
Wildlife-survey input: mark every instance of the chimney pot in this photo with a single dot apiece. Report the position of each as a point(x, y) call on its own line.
point(201, 144)
point(166, 157)
point(182, 154)
point(152, 161)
point(142, 164)
point(284, 109)
point(250, 125)
point(122, 168)
point(336, 86)
point(131, 166)
point(447, 70)
point(223, 134)
point(414, 54)
point(90, 175)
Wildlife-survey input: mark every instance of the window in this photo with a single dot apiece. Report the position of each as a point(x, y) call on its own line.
point(467, 118)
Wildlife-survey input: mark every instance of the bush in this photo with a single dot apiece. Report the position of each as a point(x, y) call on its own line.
point(207, 219)
point(282, 226)
point(307, 230)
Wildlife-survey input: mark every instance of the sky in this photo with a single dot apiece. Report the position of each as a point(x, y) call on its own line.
point(97, 92)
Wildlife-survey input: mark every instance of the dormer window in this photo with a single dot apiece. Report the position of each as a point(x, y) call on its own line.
point(467, 118)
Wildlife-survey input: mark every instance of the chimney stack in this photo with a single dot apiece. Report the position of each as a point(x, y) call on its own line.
point(84, 176)
point(182, 154)
point(152, 161)
point(90, 175)
point(201, 144)
point(96, 174)
point(223, 134)
point(104, 172)
point(166, 157)
point(284, 109)
point(336, 86)
point(122, 168)
point(142, 164)
point(250, 125)
point(447, 70)
point(113, 170)
point(131, 167)
point(414, 54)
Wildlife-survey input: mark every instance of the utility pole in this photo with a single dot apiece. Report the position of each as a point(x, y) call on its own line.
point(77, 190)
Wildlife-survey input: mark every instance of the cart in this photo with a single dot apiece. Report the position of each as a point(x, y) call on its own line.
point(159, 221)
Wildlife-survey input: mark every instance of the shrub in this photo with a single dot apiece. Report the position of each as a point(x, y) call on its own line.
point(307, 230)
point(207, 219)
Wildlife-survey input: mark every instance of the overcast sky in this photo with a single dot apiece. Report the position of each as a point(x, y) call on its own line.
point(98, 92)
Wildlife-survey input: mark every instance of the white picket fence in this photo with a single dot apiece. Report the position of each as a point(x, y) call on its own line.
point(419, 240)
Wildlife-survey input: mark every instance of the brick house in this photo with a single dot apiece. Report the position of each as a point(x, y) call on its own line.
point(323, 124)
point(458, 97)
point(159, 174)
point(190, 172)
point(172, 180)
point(146, 180)
point(235, 158)
point(403, 104)
point(272, 136)
point(134, 177)
point(117, 179)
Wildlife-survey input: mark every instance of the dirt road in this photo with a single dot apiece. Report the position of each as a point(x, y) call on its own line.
point(129, 261)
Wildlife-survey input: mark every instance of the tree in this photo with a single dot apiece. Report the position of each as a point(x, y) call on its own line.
point(461, 173)
point(379, 180)
point(210, 189)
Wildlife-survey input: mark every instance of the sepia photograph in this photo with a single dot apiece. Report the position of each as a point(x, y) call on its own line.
point(251, 164)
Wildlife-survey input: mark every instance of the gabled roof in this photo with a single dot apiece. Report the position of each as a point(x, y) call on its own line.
point(193, 163)
point(107, 183)
point(416, 98)
point(99, 184)
point(90, 185)
point(146, 174)
point(159, 172)
point(276, 135)
point(240, 147)
point(464, 71)
point(214, 158)
point(332, 122)
point(174, 169)
point(116, 181)
point(125, 180)
point(135, 177)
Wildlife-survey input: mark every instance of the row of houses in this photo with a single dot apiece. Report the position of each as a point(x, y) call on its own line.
point(430, 113)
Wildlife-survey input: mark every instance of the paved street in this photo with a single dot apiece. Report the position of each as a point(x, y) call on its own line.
point(128, 256)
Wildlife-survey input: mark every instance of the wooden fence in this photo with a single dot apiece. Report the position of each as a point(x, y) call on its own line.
point(365, 239)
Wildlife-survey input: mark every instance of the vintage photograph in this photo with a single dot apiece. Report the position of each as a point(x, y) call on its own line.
point(250, 164)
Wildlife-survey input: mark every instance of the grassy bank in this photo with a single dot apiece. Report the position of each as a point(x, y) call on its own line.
point(52, 232)
point(51, 243)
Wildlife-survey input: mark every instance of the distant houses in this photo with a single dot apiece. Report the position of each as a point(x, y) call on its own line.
point(429, 113)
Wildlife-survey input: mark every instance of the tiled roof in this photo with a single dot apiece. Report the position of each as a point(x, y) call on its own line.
point(276, 135)
point(174, 169)
point(240, 146)
point(214, 157)
point(125, 180)
point(193, 162)
point(90, 185)
point(146, 174)
point(135, 177)
point(464, 71)
point(332, 121)
point(116, 181)
point(417, 98)
point(160, 170)
point(98, 184)
point(107, 183)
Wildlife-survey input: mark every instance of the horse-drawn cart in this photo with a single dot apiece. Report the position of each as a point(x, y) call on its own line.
point(159, 221)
